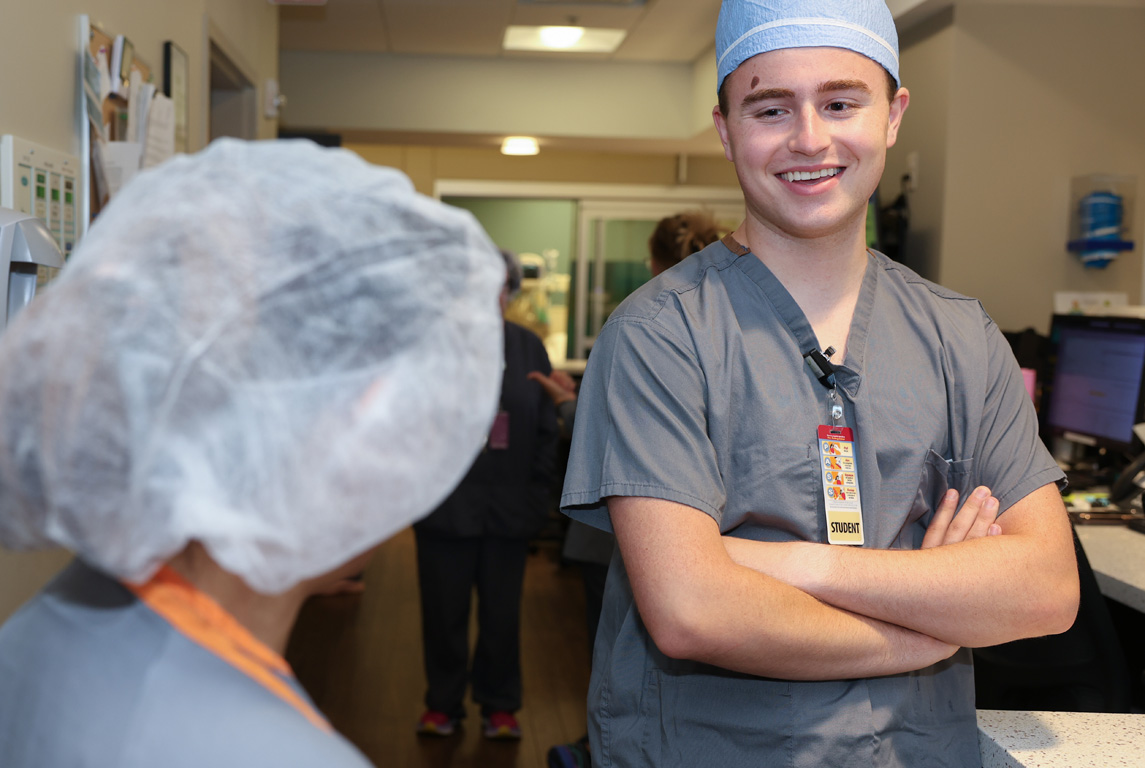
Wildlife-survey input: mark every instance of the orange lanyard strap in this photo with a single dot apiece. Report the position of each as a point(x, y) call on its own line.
point(203, 621)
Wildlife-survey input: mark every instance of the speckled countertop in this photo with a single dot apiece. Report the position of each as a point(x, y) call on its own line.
point(1060, 739)
point(1078, 739)
point(1117, 556)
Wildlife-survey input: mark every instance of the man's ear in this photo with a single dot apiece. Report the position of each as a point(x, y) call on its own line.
point(722, 129)
point(898, 106)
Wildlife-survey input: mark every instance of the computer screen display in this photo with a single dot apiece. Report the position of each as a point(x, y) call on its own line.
point(1096, 394)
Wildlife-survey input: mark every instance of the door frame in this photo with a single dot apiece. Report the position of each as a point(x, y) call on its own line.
point(601, 203)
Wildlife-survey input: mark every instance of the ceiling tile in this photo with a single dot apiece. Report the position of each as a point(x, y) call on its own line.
point(659, 30)
point(447, 27)
point(340, 25)
point(678, 31)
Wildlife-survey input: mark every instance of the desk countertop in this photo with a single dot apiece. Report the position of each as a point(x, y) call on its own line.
point(1117, 556)
point(1078, 739)
point(1060, 739)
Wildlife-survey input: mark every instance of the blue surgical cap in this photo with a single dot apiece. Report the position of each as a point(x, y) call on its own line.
point(749, 27)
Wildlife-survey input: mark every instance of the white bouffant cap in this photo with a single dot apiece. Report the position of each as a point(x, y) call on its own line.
point(280, 351)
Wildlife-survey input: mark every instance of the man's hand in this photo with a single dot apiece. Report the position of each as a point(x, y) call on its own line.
point(973, 521)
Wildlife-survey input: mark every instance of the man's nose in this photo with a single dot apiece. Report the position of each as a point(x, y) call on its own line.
point(809, 134)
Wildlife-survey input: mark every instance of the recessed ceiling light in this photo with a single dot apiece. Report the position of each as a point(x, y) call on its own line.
point(592, 40)
point(561, 37)
point(519, 145)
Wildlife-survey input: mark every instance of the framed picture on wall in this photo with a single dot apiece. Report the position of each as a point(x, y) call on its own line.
point(175, 69)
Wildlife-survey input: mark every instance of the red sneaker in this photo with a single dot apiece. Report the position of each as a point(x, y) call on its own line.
point(501, 725)
point(434, 723)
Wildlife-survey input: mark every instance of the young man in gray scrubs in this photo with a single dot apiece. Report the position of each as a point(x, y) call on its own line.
point(779, 431)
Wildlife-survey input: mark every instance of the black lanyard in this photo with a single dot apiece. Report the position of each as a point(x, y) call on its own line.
point(825, 373)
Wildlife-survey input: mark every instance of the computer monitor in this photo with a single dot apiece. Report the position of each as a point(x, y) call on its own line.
point(1095, 395)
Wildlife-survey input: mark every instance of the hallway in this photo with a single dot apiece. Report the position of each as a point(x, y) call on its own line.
point(360, 658)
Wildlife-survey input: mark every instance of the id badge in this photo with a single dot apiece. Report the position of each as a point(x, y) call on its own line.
point(499, 434)
point(838, 466)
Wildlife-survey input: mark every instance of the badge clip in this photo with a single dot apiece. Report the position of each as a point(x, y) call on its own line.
point(821, 366)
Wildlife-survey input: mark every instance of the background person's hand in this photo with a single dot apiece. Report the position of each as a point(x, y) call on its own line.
point(559, 385)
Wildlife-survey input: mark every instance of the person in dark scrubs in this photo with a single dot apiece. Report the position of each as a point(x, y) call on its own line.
point(478, 539)
point(753, 615)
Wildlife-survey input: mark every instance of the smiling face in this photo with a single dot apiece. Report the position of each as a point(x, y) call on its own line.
point(808, 130)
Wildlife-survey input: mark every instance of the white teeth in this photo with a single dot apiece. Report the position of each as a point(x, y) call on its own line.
point(809, 175)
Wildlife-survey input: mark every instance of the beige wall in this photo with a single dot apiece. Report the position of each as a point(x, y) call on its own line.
point(38, 91)
point(396, 93)
point(1037, 95)
point(38, 45)
point(925, 67)
point(425, 165)
point(247, 31)
point(704, 95)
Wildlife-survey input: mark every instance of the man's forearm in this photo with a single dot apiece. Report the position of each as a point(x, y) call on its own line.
point(790, 635)
point(990, 590)
point(697, 604)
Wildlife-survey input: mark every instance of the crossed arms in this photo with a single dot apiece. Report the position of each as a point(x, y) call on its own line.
point(805, 611)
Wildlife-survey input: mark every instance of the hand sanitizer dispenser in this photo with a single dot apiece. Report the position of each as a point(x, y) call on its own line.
point(29, 258)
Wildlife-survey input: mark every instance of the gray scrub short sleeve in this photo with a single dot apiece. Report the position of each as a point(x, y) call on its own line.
point(1010, 458)
point(641, 425)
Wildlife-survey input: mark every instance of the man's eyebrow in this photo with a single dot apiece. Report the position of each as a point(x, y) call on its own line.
point(831, 86)
point(767, 94)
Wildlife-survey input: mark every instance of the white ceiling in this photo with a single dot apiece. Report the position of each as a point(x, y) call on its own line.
point(659, 33)
point(657, 30)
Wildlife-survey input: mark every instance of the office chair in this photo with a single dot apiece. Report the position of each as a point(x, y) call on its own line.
point(1081, 670)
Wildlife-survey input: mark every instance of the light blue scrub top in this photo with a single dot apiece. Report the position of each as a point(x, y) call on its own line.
point(91, 677)
point(696, 392)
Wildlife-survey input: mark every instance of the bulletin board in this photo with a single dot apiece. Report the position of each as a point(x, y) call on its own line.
point(93, 114)
point(100, 40)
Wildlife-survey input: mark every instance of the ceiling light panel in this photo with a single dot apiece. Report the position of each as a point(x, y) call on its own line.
point(518, 38)
point(561, 37)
